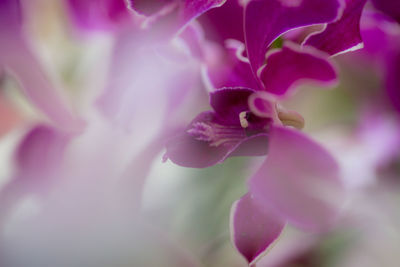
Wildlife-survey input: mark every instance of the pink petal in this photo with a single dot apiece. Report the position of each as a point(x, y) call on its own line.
point(41, 151)
point(145, 81)
point(98, 14)
point(231, 69)
point(393, 79)
point(148, 7)
point(225, 22)
point(168, 17)
point(229, 102)
point(342, 35)
point(389, 7)
point(299, 179)
point(20, 61)
point(10, 16)
point(292, 66)
point(17, 58)
point(254, 228)
point(265, 20)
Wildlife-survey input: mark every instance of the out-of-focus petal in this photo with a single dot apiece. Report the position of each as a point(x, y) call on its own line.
point(168, 17)
point(393, 79)
point(148, 7)
point(389, 7)
point(254, 228)
point(291, 66)
point(17, 58)
point(143, 80)
point(342, 35)
point(11, 115)
point(10, 16)
point(98, 14)
point(300, 179)
point(265, 20)
point(41, 151)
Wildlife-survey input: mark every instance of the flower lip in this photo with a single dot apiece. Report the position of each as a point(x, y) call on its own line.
point(230, 129)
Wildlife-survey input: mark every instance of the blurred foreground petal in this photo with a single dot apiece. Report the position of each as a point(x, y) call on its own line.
point(299, 179)
point(254, 228)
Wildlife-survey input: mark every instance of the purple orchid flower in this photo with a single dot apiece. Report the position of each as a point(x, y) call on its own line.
point(213, 136)
point(18, 60)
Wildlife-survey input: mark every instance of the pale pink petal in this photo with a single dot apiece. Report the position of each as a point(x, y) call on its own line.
point(300, 179)
point(254, 228)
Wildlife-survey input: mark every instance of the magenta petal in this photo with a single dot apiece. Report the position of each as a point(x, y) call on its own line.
point(342, 35)
point(229, 102)
point(185, 150)
point(225, 22)
point(41, 152)
point(389, 7)
point(98, 14)
point(292, 66)
point(300, 179)
point(148, 7)
point(195, 149)
point(168, 17)
point(231, 69)
point(265, 20)
point(10, 16)
point(393, 79)
point(254, 228)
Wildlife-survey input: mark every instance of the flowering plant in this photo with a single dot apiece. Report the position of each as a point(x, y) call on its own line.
point(104, 100)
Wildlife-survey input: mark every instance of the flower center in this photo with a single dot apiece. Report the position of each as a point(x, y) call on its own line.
point(217, 134)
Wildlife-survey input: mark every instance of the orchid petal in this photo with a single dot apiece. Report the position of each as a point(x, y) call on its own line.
point(299, 179)
point(342, 35)
point(254, 228)
point(231, 69)
point(393, 79)
point(141, 70)
point(21, 62)
point(265, 20)
point(148, 7)
point(290, 66)
point(225, 22)
point(10, 16)
point(17, 58)
point(169, 17)
point(41, 151)
point(188, 151)
point(98, 14)
point(229, 102)
point(389, 7)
